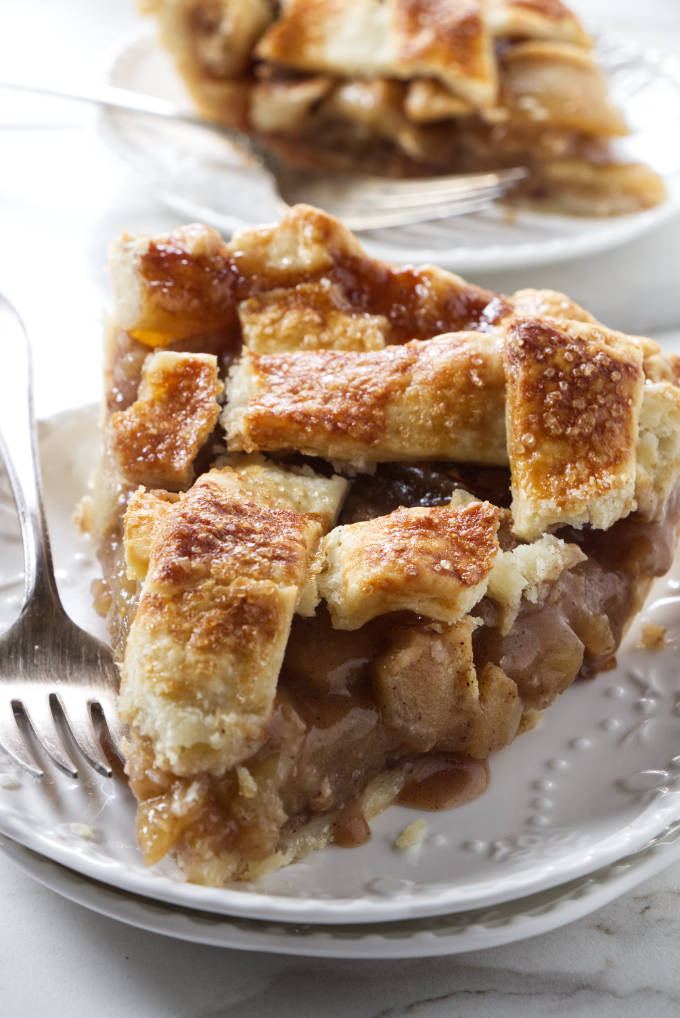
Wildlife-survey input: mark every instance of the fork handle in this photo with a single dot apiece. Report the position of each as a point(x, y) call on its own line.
point(19, 449)
point(113, 98)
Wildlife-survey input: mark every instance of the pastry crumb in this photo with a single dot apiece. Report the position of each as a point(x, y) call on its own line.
point(82, 515)
point(84, 831)
point(324, 798)
point(653, 636)
point(530, 719)
point(411, 837)
point(247, 785)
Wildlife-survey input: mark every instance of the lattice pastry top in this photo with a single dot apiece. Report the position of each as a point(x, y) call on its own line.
point(335, 363)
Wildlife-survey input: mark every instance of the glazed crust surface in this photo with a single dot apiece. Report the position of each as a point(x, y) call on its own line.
point(573, 404)
point(157, 439)
point(431, 561)
point(437, 400)
point(225, 573)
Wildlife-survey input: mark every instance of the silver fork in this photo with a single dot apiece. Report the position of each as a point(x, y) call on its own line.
point(362, 201)
point(51, 671)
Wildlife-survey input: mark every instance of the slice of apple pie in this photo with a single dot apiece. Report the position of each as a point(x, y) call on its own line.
point(358, 525)
point(414, 86)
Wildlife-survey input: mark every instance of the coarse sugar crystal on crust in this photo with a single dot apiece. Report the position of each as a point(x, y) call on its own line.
point(573, 406)
point(437, 400)
point(157, 438)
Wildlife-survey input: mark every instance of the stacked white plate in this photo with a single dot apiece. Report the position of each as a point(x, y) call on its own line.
point(578, 811)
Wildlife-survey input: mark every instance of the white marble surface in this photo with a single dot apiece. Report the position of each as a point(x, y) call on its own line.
point(58, 959)
point(63, 197)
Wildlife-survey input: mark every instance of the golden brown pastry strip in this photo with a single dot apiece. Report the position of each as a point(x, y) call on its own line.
point(447, 40)
point(535, 19)
point(157, 438)
point(573, 403)
point(437, 400)
point(658, 448)
point(574, 391)
point(434, 561)
point(226, 568)
point(309, 316)
point(174, 286)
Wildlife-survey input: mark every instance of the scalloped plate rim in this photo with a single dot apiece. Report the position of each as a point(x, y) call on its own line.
point(358, 941)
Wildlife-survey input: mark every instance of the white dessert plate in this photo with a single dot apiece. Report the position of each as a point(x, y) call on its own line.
point(455, 933)
point(597, 781)
point(204, 178)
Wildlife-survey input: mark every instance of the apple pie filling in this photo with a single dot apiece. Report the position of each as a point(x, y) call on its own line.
point(391, 703)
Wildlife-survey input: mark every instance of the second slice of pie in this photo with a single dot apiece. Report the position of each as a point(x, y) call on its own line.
point(422, 87)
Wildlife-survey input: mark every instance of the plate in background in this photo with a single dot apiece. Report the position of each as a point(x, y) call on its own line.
point(204, 178)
